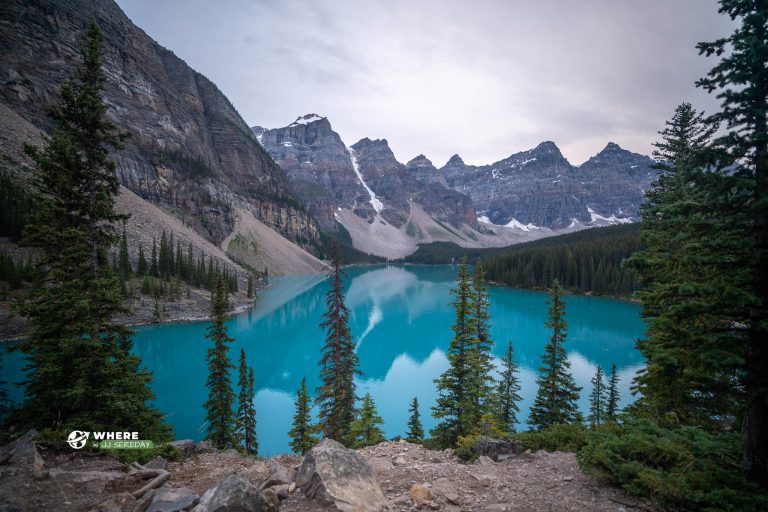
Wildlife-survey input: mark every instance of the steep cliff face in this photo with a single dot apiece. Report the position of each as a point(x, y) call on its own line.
point(539, 187)
point(190, 151)
point(365, 178)
point(319, 167)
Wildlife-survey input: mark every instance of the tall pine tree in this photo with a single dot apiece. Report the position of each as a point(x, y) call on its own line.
point(246, 414)
point(741, 79)
point(80, 372)
point(480, 383)
point(598, 399)
point(692, 355)
point(507, 393)
point(220, 414)
point(339, 363)
point(303, 431)
point(556, 397)
point(415, 432)
point(612, 404)
point(455, 407)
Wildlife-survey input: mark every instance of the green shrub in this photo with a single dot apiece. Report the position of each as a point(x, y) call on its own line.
point(466, 446)
point(681, 468)
point(556, 438)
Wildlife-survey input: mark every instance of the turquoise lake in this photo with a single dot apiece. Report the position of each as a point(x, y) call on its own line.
point(401, 321)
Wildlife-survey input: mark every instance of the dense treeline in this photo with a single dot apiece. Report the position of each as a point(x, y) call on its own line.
point(586, 261)
point(170, 263)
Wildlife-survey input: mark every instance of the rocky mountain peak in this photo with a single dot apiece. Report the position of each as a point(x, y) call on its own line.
point(419, 161)
point(378, 147)
point(455, 160)
point(547, 147)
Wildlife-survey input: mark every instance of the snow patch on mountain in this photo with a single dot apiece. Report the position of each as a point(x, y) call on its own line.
point(309, 118)
point(516, 224)
point(375, 202)
point(596, 218)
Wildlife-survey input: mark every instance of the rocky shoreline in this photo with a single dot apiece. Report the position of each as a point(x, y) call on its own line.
point(392, 476)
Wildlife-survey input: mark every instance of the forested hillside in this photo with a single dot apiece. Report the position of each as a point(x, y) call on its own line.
point(586, 261)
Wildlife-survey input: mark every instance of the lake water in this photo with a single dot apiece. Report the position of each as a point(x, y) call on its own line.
point(401, 321)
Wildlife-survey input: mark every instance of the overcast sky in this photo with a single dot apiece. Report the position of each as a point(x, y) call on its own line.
point(481, 78)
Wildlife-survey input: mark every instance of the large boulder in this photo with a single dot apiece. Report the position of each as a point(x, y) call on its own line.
point(337, 477)
point(498, 449)
point(234, 494)
point(185, 446)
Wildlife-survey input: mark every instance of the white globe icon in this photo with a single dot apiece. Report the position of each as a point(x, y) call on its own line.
point(77, 439)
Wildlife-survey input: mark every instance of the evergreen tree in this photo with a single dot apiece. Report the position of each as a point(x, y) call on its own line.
point(556, 397)
point(339, 363)
point(480, 384)
point(153, 266)
point(742, 82)
point(365, 430)
point(598, 399)
point(507, 393)
point(688, 298)
point(303, 432)
point(250, 286)
point(612, 405)
point(81, 373)
point(124, 263)
point(246, 414)
point(415, 432)
point(142, 268)
point(455, 406)
point(219, 406)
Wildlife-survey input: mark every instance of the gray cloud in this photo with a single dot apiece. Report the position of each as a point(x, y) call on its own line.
point(482, 78)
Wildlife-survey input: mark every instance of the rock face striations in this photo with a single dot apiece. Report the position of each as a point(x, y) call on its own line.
point(190, 151)
point(539, 187)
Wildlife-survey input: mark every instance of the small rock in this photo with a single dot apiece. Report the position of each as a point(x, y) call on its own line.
point(420, 494)
point(157, 463)
point(272, 497)
point(567, 478)
point(231, 453)
point(484, 460)
point(292, 487)
point(234, 493)
point(399, 460)
point(185, 446)
point(454, 499)
point(279, 475)
point(173, 500)
point(282, 491)
point(434, 505)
